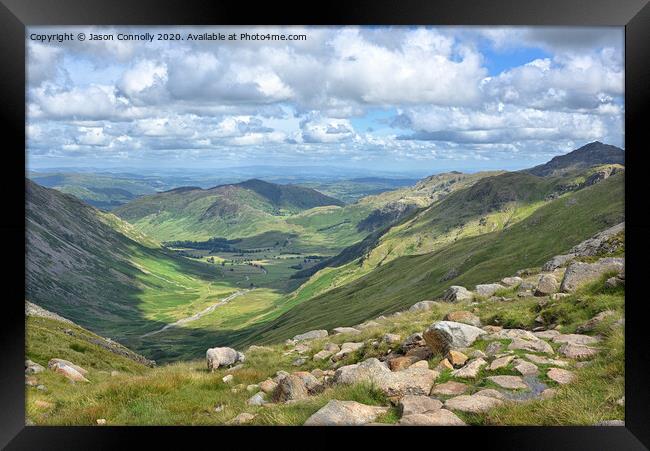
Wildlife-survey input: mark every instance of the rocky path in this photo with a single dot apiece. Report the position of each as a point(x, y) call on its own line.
point(198, 315)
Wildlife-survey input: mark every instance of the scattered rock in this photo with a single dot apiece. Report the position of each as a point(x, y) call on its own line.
point(490, 393)
point(544, 360)
point(227, 378)
point(444, 364)
point(322, 355)
point(101, 421)
point(457, 293)
point(472, 404)
point(268, 386)
point(368, 324)
point(256, 400)
point(577, 352)
point(546, 284)
point(509, 382)
point(575, 339)
point(70, 370)
point(31, 381)
point(392, 338)
point(450, 388)
point(446, 335)
point(501, 362)
point(242, 418)
point(345, 413)
point(560, 376)
point(493, 348)
point(526, 368)
point(423, 306)
point(411, 404)
point(401, 363)
point(218, 357)
point(579, 273)
point(558, 261)
point(299, 361)
point(346, 330)
point(290, 388)
point(311, 382)
point(413, 341)
point(512, 281)
point(311, 335)
point(614, 282)
point(470, 370)
point(558, 296)
point(463, 316)
point(488, 289)
point(546, 334)
point(536, 345)
point(441, 417)
point(347, 349)
point(456, 358)
point(33, 368)
point(420, 352)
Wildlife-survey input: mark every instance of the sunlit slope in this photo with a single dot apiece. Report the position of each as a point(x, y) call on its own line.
point(82, 265)
point(549, 230)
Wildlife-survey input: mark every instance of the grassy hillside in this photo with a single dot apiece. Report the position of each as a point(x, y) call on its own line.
point(186, 393)
point(549, 230)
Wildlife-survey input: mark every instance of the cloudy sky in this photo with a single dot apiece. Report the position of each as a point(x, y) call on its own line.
point(398, 99)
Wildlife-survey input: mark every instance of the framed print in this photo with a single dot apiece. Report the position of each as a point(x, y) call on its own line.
point(417, 215)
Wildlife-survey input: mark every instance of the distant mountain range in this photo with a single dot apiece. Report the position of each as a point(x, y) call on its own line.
point(592, 154)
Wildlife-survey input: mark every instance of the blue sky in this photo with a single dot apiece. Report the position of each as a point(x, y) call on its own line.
point(407, 99)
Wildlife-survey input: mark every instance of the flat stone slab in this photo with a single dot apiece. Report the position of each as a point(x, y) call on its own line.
point(440, 417)
point(560, 376)
point(540, 360)
point(451, 388)
point(575, 339)
point(470, 370)
point(526, 368)
point(501, 362)
point(411, 404)
point(577, 352)
point(472, 404)
point(509, 382)
point(345, 413)
point(535, 345)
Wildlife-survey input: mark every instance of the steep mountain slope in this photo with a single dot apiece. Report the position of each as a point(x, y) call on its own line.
point(595, 153)
point(98, 271)
point(550, 229)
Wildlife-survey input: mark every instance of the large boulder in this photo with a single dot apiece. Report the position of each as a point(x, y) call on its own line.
point(443, 336)
point(311, 335)
point(578, 273)
point(594, 322)
point(423, 306)
point(345, 413)
point(220, 357)
point(68, 369)
point(290, 388)
point(488, 289)
point(413, 341)
point(557, 262)
point(512, 281)
point(457, 293)
point(412, 380)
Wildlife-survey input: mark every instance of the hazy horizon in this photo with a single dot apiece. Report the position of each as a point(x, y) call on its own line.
point(401, 100)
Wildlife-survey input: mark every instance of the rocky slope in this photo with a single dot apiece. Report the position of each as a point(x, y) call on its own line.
point(535, 347)
point(592, 154)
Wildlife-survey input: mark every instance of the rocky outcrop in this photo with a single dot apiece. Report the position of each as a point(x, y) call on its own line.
point(222, 357)
point(68, 369)
point(578, 273)
point(546, 284)
point(290, 388)
point(443, 336)
point(600, 244)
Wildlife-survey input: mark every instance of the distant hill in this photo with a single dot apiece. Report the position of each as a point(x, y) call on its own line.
point(592, 154)
point(98, 271)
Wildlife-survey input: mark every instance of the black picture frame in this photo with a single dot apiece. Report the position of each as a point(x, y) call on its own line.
point(15, 15)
